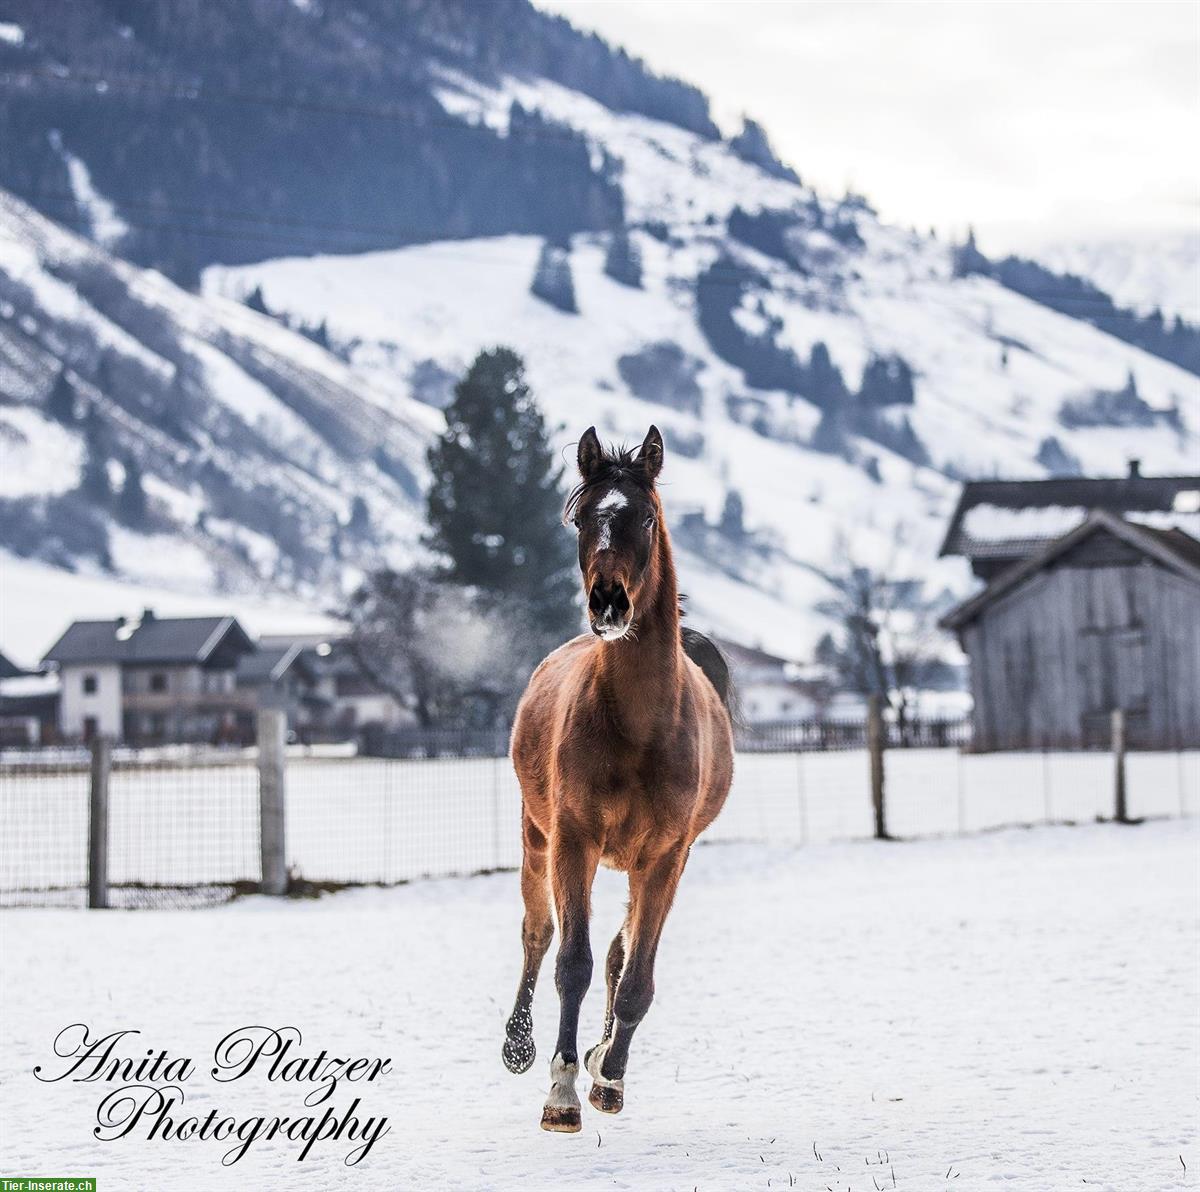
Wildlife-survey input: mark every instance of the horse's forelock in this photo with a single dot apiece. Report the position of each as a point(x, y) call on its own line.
point(617, 463)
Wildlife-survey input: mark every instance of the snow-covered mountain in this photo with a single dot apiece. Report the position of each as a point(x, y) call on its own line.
point(830, 372)
point(263, 462)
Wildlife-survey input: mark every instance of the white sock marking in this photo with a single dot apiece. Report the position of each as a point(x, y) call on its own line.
point(562, 1086)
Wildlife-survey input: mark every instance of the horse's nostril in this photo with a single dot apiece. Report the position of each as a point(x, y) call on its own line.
point(596, 599)
point(620, 600)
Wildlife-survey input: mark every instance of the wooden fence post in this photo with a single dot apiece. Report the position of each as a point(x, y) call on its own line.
point(1118, 749)
point(272, 731)
point(875, 747)
point(98, 823)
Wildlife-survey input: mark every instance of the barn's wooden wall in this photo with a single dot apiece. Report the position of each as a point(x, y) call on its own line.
point(1052, 658)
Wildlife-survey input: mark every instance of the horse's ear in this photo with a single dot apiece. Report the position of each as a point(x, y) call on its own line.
point(650, 457)
point(590, 453)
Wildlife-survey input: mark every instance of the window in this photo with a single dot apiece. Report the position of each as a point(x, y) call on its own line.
point(90, 727)
point(90, 684)
point(158, 681)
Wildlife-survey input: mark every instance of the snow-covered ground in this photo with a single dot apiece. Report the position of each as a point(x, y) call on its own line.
point(1016, 1009)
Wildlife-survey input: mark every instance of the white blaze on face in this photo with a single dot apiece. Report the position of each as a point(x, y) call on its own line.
point(608, 505)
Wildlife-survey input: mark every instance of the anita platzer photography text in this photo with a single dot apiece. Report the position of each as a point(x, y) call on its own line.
point(599, 594)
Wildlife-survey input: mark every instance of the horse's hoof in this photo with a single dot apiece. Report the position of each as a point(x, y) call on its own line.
point(607, 1098)
point(606, 1095)
point(565, 1119)
point(518, 1054)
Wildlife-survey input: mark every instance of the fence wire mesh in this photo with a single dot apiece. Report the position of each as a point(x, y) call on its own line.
point(184, 831)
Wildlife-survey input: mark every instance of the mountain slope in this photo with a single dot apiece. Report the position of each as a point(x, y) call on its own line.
point(250, 443)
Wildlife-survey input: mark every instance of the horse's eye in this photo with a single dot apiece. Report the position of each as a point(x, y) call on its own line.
point(575, 522)
point(648, 522)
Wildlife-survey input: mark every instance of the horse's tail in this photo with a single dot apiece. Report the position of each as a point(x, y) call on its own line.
point(706, 654)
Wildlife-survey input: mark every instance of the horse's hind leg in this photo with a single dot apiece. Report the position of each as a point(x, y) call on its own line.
point(537, 930)
point(606, 1097)
point(652, 890)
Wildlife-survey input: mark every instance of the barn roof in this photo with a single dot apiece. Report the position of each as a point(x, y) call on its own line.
point(150, 640)
point(1012, 518)
point(1172, 548)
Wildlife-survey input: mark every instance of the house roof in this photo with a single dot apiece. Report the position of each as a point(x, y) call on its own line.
point(750, 656)
point(152, 639)
point(1012, 518)
point(1172, 548)
point(8, 668)
point(270, 663)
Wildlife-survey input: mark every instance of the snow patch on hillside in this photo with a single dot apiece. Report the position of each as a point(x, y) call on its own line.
point(36, 455)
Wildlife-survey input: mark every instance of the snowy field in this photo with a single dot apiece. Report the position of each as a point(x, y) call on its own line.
point(368, 820)
point(1016, 1009)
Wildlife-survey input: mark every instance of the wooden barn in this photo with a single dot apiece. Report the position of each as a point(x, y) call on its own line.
point(1104, 616)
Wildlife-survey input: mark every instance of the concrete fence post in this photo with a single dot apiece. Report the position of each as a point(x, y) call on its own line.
point(272, 733)
point(98, 823)
point(876, 740)
point(1121, 811)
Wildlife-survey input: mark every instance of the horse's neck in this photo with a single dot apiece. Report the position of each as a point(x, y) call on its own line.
point(641, 673)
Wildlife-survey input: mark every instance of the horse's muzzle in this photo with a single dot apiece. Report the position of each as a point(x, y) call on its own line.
point(609, 609)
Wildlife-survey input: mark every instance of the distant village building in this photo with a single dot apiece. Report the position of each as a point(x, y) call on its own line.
point(284, 677)
point(1092, 604)
point(769, 688)
point(28, 706)
point(155, 680)
point(341, 700)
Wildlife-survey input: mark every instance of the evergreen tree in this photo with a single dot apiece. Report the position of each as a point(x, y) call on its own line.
point(623, 261)
point(552, 280)
point(495, 505)
point(60, 405)
point(255, 301)
point(732, 515)
point(967, 259)
point(131, 507)
point(825, 385)
point(886, 381)
point(95, 484)
point(360, 518)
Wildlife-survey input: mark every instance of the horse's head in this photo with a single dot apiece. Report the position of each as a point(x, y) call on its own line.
point(617, 513)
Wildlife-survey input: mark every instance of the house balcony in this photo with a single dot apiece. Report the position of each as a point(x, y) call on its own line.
point(215, 702)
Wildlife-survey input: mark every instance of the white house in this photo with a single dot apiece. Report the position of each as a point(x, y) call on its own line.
point(152, 680)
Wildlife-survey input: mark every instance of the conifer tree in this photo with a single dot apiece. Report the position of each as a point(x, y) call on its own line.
point(552, 280)
point(131, 506)
point(623, 261)
point(495, 502)
point(60, 405)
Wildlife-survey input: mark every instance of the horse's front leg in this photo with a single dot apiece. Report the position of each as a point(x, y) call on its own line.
point(651, 892)
point(537, 929)
point(573, 861)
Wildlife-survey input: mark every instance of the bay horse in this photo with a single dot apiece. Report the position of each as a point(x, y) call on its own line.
point(623, 747)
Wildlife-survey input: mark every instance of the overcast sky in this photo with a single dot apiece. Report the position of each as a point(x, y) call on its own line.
point(1027, 119)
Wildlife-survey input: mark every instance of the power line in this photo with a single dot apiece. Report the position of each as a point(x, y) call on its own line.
point(198, 92)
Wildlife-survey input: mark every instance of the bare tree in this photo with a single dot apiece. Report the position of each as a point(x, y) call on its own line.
point(448, 652)
point(887, 642)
